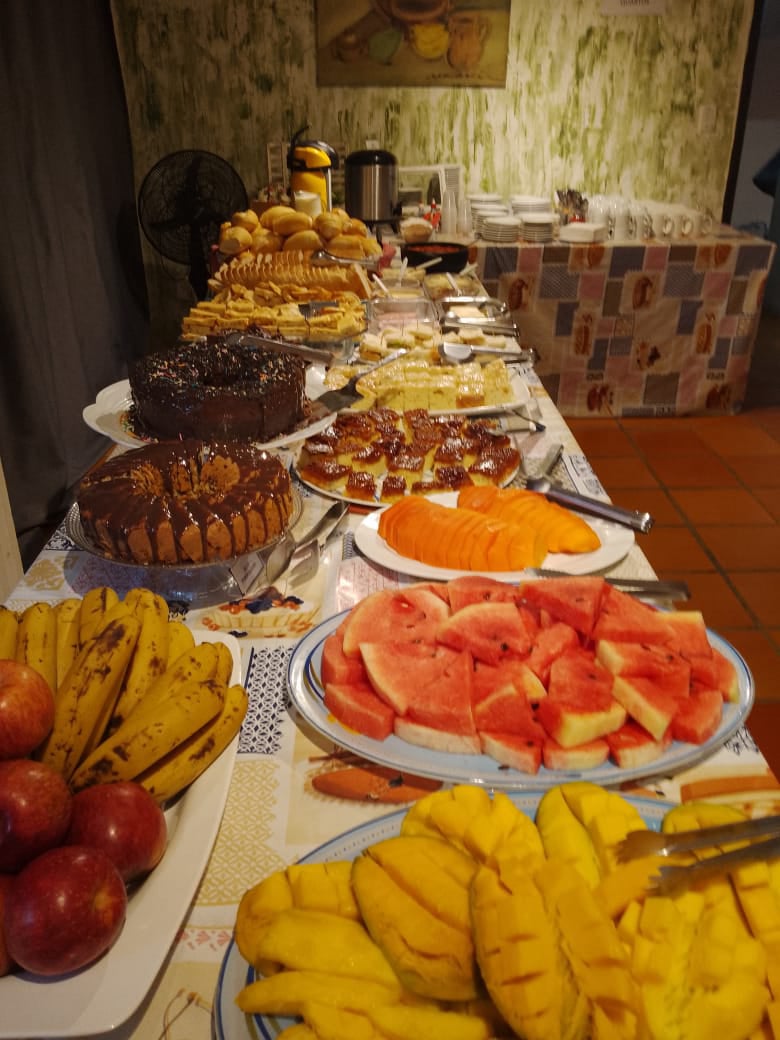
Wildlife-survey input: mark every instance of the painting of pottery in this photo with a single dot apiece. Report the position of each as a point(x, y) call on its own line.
point(437, 43)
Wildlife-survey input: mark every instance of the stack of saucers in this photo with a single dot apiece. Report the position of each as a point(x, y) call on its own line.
point(538, 227)
point(481, 211)
point(484, 198)
point(522, 204)
point(497, 228)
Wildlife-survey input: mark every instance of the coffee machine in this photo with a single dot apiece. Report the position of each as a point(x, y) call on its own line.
point(310, 164)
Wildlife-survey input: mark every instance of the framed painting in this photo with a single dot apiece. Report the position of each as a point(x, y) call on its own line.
point(406, 43)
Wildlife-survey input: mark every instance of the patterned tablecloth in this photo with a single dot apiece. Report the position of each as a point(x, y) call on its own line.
point(281, 802)
point(636, 328)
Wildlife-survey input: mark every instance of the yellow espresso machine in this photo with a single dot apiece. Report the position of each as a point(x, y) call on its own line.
point(310, 163)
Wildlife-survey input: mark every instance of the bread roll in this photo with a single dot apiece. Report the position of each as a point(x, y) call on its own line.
point(268, 217)
point(353, 226)
point(246, 219)
point(265, 241)
point(233, 240)
point(328, 225)
point(290, 223)
point(348, 246)
point(304, 240)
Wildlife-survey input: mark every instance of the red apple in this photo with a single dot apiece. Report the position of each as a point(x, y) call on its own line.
point(64, 909)
point(26, 709)
point(35, 810)
point(6, 962)
point(123, 820)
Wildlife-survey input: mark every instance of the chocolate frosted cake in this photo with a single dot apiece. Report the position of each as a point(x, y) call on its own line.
point(214, 390)
point(185, 502)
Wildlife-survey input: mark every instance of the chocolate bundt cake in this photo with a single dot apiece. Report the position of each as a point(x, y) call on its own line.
point(185, 502)
point(213, 390)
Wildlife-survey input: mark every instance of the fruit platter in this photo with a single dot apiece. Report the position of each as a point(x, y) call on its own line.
point(473, 916)
point(170, 761)
point(520, 687)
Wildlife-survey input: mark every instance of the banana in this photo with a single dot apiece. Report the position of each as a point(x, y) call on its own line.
point(180, 639)
point(36, 641)
point(224, 663)
point(81, 701)
point(67, 612)
point(170, 775)
point(150, 733)
point(94, 605)
point(150, 657)
point(9, 624)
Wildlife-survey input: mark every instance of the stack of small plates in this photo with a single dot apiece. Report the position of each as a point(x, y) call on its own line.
point(480, 212)
point(538, 227)
point(497, 228)
point(484, 198)
point(522, 204)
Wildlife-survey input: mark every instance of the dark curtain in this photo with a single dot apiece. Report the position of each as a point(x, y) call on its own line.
point(73, 308)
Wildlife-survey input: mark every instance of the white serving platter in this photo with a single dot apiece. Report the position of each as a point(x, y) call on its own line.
point(304, 678)
point(616, 541)
point(104, 995)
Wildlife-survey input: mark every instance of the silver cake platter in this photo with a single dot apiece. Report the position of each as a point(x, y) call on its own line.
point(195, 585)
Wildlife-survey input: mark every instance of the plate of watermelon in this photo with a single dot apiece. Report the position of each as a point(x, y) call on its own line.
point(520, 687)
point(616, 541)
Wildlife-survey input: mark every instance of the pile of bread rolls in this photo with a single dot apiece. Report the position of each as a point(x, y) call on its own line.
point(281, 228)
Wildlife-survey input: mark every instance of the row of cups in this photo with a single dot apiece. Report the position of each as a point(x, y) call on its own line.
point(627, 219)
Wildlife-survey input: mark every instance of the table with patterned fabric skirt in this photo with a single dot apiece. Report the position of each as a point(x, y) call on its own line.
point(636, 328)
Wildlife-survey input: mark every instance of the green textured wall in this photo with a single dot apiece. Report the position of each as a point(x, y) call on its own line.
point(592, 102)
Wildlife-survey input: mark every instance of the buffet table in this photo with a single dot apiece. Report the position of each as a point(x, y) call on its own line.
point(646, 328)
point(291, 790)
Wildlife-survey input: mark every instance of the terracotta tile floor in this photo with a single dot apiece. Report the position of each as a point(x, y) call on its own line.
point(713, 486)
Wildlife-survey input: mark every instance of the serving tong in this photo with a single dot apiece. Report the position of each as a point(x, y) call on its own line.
point(673, 876)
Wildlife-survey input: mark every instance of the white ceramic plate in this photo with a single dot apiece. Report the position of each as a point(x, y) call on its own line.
point(108, 414)
point(615, 543)
point(104, 995)
point(307, 694)
point(231, 1024)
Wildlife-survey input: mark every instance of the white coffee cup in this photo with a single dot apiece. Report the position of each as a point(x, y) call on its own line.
point(683, 225)
point(702, 222)
point(622, 222)
point(661, 219)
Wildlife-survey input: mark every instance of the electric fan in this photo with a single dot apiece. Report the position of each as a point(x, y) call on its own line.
point(182, 202)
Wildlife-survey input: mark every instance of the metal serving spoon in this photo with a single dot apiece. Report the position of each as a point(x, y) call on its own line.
point(459, 353)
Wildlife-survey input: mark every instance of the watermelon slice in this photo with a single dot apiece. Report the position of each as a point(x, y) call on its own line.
point(653, 662)
point(490, 631)
point(727, 680)
point(336, 666)
point(689, 633)
point(647, 702)
point(445, 701)
point(627, 620)
point(578, 674)
point(399, 671)
point(697, 718)
point(410, 615)
point(477, 588)
point(579, 706)
point(514, 750)
point(436, 739)
point(356, 706)
point(507, 711)
point(511, 672)
point(583, 756)
point(575, 601)
point(550, 644)
point(632, 746)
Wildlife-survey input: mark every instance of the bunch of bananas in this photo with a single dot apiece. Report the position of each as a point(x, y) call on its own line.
point(135, 697)
point(477, 923)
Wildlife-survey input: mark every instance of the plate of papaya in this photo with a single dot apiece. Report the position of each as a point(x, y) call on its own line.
point(520, 687)
point(441, 547)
